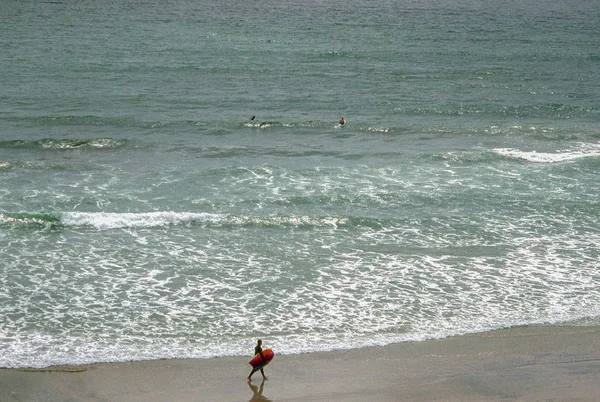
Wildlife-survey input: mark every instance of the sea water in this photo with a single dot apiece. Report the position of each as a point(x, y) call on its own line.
point(144, 214)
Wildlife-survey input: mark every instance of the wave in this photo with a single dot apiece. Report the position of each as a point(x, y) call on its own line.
point(554, 110)
point(278, 124)
point(51, 143)
point(589, 151)
point(24, 219)
point(535, 129)
point(497, 154)
point(235, 151)
point(542, 132)
point(110, 220)
point(86, 120)
point(104, 220)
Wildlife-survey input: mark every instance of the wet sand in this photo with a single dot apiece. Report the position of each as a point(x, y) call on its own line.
point(525, 363)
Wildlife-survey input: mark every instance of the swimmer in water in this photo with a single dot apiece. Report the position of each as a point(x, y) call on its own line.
point(342, 121)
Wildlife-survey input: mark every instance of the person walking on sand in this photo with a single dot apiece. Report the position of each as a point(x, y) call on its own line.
point(258, 351)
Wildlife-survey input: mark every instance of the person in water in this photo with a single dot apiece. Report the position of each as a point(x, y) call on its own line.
point(342, 121)
point(258, 351)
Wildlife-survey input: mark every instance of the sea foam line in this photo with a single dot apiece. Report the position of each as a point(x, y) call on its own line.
point(108, 220)
point(115, 220)
point(53, 143)
point(103, 220)
point(550, 157)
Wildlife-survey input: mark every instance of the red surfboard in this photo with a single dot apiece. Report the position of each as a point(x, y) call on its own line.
point(258, 362)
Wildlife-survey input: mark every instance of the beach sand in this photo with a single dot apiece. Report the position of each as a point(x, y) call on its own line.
point(524, 363)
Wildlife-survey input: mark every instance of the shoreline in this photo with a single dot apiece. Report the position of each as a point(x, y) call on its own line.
point(522, 363)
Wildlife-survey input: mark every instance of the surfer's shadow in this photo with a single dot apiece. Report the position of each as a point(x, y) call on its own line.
point(257, 391)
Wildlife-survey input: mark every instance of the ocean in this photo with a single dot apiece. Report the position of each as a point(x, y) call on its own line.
point(145, 215)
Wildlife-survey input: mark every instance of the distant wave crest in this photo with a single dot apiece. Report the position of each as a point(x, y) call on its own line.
point(51, 143)
point(556, 110)
point(24, 219)
point(110, 220)
point(85, 120)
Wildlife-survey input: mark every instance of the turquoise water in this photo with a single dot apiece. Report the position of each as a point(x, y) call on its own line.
point(144, 215)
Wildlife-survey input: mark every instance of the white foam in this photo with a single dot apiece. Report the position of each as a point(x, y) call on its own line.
point(107, 220)
point(379, 129)
point(584, 151)
point(182, 297)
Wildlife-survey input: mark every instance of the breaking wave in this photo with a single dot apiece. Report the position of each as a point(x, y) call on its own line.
point(109, 220)
point(584, 151)
point(51, 143)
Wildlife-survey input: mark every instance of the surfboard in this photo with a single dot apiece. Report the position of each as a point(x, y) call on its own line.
point(258, 362)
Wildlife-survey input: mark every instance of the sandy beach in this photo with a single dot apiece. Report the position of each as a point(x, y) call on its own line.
point(525, 363)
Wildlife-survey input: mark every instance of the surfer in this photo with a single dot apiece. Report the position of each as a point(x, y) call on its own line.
point(342, 121)
point(258, 351)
